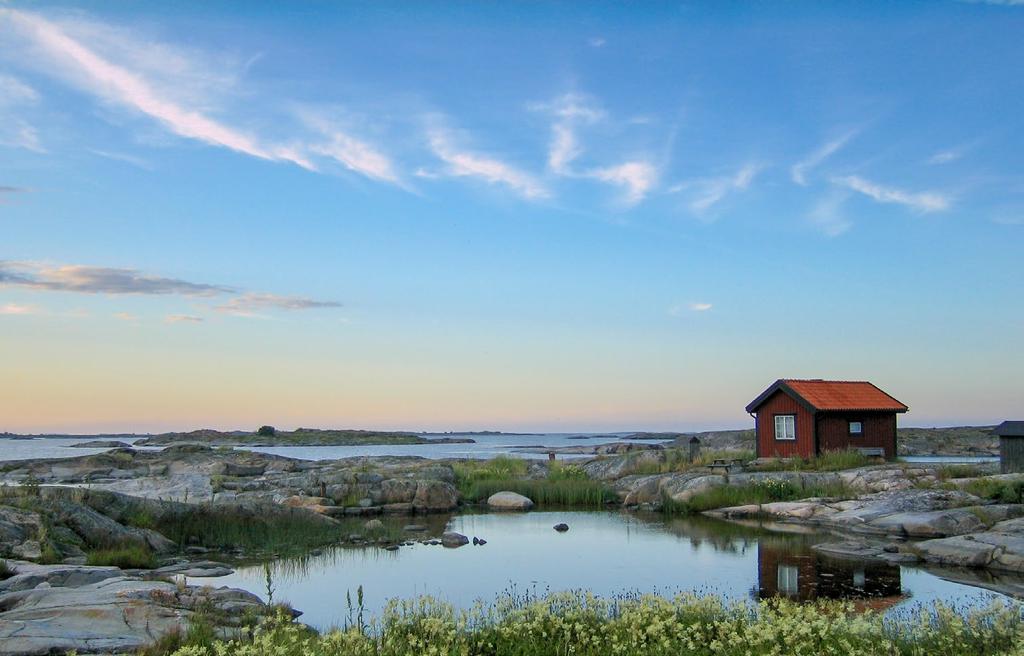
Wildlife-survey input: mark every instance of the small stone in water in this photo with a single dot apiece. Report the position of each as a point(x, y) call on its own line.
point(561, 528)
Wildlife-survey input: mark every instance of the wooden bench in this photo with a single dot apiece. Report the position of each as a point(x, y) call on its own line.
point(727, 465)
point(875, 451)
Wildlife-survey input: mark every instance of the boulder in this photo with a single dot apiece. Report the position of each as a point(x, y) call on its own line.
point(435, 496)
point(453, 540)
point(561, 528)
point(508, 501)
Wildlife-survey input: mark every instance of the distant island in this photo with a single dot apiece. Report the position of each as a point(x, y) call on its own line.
point(297, 437)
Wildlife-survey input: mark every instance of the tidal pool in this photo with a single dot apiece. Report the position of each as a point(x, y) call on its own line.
point(605, 552)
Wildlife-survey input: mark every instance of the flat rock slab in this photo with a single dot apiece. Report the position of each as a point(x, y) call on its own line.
point(203, 568)
point(508, 501)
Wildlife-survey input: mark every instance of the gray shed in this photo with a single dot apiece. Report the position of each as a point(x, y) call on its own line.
point(1011, 446)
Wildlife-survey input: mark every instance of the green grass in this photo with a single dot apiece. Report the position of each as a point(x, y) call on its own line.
point(545, 492)
point(758, 492)
point(996, 490)
point(678, 460)
point(127, 556)
point(826, 462)
point(687, 625)
point(947, 472)
point(564, 485)
point(6, 571)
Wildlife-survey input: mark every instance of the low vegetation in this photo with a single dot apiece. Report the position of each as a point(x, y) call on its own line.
point(563, 485)
point(996, 490)
point(678, 460)
point(755, 492)
point(829, 461)
point(689, 624)
point(127, 556)
point(6, 571)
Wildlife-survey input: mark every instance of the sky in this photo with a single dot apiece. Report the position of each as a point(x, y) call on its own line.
point(513, 216)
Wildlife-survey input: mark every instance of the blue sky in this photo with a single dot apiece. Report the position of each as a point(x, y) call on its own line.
point(521, 216)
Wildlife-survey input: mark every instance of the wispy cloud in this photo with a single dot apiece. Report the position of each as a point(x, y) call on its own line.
point(126, 316)
point(124, 157)
point(99, 280)
point(183, 318)
point(251, 303)
point(637, 177)
point(119, 282)
point(596, 42)
point(15, 131)
point(826, 215)
point(16, 308)
point(463, 163)
point(948, 155)
point(572, 111)
point(800, 170)
point(122, 86)
point(7, 189)
point(687, 308)
point(711, 191)
point(352, 153)
point(928, 201)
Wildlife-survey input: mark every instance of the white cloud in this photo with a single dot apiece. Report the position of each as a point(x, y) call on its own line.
point(711, 191)
point(182, 318)
point(463, 163)
point(596, 42)
point(350, 152)
point(800, 170)
point(637, 177)
point(15, 131)
point(826, 216)
point(125, 87)
point(248, 304)
point(124, 157)
point(126, 316)
point(569, 111)
point(683, 309)
point(15, 308)
point(921, 201)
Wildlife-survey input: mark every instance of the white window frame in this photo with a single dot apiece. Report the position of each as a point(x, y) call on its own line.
point(788, 432)
point(860, 425)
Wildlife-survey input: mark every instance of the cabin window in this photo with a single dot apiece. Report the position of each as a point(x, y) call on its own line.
point(856, 428)
point(785, 427)
point(789, 580)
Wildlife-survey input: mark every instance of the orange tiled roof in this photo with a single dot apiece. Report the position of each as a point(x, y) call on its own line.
point(844, 395)
point(829, 395)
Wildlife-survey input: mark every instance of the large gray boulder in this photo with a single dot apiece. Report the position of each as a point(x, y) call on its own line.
point(508, 501)
point(114, 615)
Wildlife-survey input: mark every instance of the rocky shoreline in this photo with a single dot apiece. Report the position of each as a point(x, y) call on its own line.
point(63, 510)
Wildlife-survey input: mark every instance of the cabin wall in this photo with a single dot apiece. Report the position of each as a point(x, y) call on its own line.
point(879, 431)
point(781, 403)
point(1011, 454)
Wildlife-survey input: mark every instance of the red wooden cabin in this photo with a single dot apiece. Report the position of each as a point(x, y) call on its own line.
point(803, 418)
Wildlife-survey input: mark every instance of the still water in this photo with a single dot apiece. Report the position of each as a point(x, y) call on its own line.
point(607, 553)
point(485, 446)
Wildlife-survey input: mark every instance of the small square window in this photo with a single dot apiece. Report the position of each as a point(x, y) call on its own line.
point(856, 428)
point(785, 427)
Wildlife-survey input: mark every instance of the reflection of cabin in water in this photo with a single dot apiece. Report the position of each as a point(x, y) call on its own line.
point(807, 575)
point(804, 418)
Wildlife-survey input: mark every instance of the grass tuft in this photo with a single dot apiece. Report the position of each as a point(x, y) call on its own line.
point(126, 556)
point(757, 492)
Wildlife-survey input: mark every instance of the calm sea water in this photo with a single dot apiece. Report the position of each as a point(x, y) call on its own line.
point(485, 446)
point(607, 553)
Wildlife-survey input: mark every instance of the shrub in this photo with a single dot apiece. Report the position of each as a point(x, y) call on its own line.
point(126, 556)
point(996, 490)
point(266, 431)
point(756, 492)
point(689, 625)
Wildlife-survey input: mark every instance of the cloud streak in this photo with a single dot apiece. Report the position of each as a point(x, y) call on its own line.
point(252, 302)
point(799, 171)
point(637, 177)
point(921, 201)
point(99, 280)
point(128, 88)
point(712, 191)
point(111, 281)
point(462, 163)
